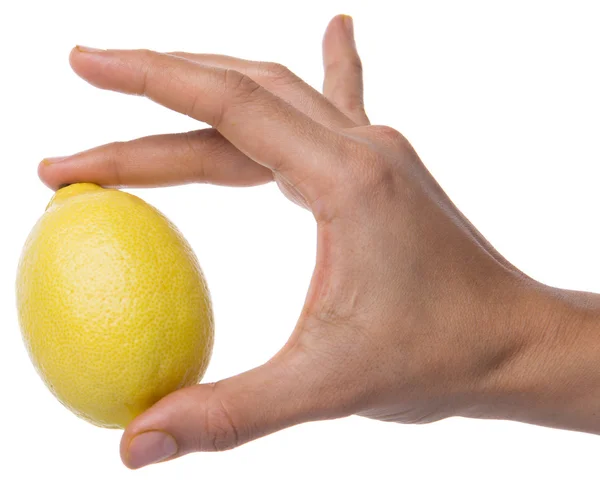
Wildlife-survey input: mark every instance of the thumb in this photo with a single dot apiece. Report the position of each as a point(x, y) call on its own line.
point(222, 415)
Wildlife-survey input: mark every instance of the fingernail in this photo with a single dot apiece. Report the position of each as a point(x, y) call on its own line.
point(349, 25)
point(53, 160)
point(88, 50)
point(150, 447)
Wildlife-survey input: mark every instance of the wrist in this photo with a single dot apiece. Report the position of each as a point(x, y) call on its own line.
point(551, 376)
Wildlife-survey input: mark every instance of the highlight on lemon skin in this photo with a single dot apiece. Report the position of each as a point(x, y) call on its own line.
point(113, 307)
point(71, 190)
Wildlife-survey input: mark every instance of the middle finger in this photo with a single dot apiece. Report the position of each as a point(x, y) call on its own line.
point(281, 82)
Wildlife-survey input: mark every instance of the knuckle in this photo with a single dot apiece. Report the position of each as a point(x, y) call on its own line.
point(377, 174)
point(115, 149)
point(114, 153)
point(274, 69)
point(147, 57)
point(355, 64)
point(388, 134)
point(354, 103)
point(220, 429)
point(277, 73)
point(146, 53)
point(239, 90)
point(195, 159)
point(373, 172)
point(238, 85)
point(346, 64)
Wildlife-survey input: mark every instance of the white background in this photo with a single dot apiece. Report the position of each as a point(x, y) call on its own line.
point(502, 101)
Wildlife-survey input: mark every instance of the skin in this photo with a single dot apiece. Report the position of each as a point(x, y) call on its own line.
point(411, 315)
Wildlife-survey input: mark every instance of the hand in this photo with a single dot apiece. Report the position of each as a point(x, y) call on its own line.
point(411, 315)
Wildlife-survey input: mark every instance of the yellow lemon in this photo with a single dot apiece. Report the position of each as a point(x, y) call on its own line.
point(113, 306)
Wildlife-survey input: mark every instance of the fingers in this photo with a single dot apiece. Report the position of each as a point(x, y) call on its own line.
point(219, 416)
point(199, 156)
point(258, 123)
point(343, 84)
point(283, 83)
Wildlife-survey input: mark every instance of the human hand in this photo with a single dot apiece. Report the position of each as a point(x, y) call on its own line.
point(411, 315)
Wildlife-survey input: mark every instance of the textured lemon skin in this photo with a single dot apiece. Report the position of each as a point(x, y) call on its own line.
point(113, 307)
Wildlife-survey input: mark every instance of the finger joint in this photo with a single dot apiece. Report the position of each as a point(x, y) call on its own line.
point(220, 427)
point(239, 90)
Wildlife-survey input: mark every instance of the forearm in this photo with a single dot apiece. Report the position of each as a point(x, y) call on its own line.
point(553, 379)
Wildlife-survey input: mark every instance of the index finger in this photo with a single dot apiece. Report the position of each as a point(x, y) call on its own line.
point(257, 122)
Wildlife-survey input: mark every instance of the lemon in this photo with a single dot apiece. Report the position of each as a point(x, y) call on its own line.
point(113, 307)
